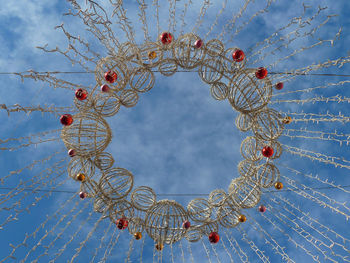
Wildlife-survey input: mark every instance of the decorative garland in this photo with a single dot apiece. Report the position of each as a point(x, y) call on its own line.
point(121, 78)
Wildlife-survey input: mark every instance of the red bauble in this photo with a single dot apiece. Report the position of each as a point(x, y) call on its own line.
point(279, 85)
point(72, 152)
point(82, 195)
point(261, 73)
point(166, 38)
point(214, 237)
point(111, 76)
point(262, 208)
point(105, 88)
point(238, 55)
point(122, 223)
point(66, 119)
point(198, 44)
point(186, 224)
point(267, 151)
point(81, 94)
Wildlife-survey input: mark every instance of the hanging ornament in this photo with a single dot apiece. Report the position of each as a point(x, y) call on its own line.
point(81, 94)
point(238, 55)
point(279, 86)
point(66, 119)
point(82, 195)
point(105, 88)
point(111, 76)
point(166, 38)
point(278, 185)
point(262, 208)
point(214, 237)
point(242, 218)
point(261, 73)
point(122, 223)
point(267, 151)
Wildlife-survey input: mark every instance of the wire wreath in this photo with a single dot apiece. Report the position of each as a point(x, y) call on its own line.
point(120, 79)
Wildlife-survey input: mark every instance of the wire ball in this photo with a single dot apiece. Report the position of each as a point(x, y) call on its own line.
point(81, 165)
point(249, 94)
point(244, 122)
point(186, 54)
point(251, 149)
point(88, 135)
point(199, 210)
point(164, 221)
point(267, 175)
point(267, 124)
point(104, 161)
point(116, 65)
point(247, 193)
point(219, 91)
point(116, 183)
point(143, 198)
point(106, 104)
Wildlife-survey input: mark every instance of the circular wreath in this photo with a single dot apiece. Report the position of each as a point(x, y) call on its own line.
point(120, 79)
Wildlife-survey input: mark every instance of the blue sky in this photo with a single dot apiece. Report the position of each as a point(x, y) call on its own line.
point(177, 139)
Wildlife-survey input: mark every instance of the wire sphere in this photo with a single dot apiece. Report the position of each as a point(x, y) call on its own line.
point(214, 48)
point(81, 165)
point(194, 233)
point(247, 168)
point(267, 175)
point(116, 183)
point(267, 124)
point(164, 221)
point(141, 79)
point(247, 193)
point(143, 198)
point(106, 104)
point(249, 94)
point(227, 214)
point(128, 98)
point(114, 64)
point(186, 54)
point(104, 161)
point(217, 197)
point(251, 149)
point(88, 135)
point(244, 122)
point(199, 210)
point(219, 91)
point(121, 209)
point(211, 70)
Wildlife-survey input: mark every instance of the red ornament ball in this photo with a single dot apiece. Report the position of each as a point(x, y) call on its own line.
point(267, 151)
point(238, 55)
point(198, 44)
point(82, 195)
point(214, 237)
point(111, 76)
point(261, 73)
point(279, 86)
point(122, 223)
point(262, 208)
point(186, 224)
point(66, 119)
point(81, 94)
point(105, 88)
point(72, 152)
point(166, 38)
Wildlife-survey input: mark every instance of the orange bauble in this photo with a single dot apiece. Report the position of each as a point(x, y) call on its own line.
point(278, 185)
point(81, 177)
point(152, 55)
point(242, 218)
point(287, 120)
point(138, 235)
point(159, 246)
